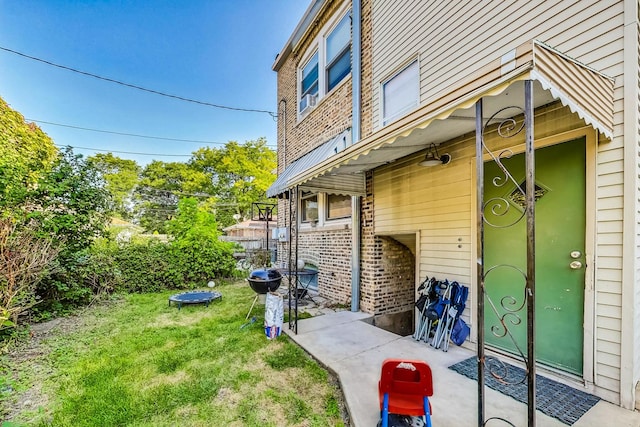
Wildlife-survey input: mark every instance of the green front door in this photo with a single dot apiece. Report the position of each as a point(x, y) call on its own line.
point(560, 245)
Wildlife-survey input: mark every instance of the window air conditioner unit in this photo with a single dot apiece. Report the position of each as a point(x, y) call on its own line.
point(307, 102)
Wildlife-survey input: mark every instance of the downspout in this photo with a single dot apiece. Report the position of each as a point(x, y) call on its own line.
point(356, 69)
point(284, 132)
point(356, 81)
point(355, 253)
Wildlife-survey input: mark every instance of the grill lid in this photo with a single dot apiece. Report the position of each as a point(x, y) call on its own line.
point(265, 275)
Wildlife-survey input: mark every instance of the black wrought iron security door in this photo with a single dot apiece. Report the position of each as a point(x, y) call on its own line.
point(519, 306)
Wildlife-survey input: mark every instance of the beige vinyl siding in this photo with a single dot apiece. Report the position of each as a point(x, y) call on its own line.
point(438, 203)
point(485, 31)
point(452, 39)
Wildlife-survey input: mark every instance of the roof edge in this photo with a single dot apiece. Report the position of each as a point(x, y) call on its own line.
point(307, 19)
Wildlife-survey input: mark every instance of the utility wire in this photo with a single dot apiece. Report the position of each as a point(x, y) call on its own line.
point(181, 98)
point(131, 134)
point(148, 190)
point(123, 152)
point(126, 134)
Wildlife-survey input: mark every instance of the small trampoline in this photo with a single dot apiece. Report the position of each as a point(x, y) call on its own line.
point(194, 297)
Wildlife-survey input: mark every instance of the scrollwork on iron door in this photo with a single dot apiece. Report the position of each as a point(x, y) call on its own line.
point(499, 212)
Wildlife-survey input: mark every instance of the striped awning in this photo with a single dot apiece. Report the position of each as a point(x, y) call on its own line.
point(353, 184)
point(584, 90)
point(557, 77)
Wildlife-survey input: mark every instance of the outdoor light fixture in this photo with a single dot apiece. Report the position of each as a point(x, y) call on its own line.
point(433, 159)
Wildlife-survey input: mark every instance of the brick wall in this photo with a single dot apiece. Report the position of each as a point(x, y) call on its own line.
point(329, 250)
point(366, 90)
point(387, 267)
point(331, 116)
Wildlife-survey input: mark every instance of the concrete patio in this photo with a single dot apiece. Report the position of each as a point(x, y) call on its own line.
point(354, 351)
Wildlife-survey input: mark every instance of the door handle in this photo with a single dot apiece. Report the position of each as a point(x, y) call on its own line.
point(575, 265)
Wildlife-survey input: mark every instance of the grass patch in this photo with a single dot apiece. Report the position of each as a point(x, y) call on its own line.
point(142, 363)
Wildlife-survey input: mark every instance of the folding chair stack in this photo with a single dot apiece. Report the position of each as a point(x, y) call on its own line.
point(426, 295)
point(440, 304)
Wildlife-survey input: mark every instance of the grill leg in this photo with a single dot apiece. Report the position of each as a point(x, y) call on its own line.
point(252, 304)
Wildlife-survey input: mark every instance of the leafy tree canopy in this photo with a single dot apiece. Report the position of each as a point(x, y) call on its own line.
point(26, 152)
point(121, 177)
point(161, 186)
point(71, 202)
point(239, 174)
point(193, 221)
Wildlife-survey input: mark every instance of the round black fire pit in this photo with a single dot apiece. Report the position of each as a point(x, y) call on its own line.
point(263, 280)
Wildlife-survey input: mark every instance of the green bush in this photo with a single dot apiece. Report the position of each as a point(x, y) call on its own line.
point(191, 259)
point(200, 260)
point(146, 267)
point(143, 266)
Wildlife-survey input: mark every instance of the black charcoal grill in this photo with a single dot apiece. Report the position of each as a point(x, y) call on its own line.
point(264, 280)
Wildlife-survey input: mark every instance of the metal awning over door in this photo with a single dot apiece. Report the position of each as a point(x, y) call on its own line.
point(585, 91)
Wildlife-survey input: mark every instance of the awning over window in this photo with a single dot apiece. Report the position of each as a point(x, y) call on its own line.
point(583, 90)
point(352, 184)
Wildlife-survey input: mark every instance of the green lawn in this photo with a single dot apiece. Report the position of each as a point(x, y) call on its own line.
point(138, 362)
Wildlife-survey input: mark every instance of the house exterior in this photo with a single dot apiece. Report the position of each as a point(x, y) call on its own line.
point(250, 234)
point(256, 245)
point(423, 79)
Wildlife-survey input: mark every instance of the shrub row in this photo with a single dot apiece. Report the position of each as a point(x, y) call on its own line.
point(143, 266)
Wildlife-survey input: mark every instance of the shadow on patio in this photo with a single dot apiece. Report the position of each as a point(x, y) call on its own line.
point(354, 350)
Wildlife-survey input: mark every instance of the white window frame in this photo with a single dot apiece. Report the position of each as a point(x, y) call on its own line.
point(323, 213)
point(345, 49)
point(301, 208)
point(412, 66)
point(318, 45)
point(312, 97)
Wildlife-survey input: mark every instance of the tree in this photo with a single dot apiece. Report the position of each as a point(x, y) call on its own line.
point(201, 255)
point(239, 175)
point(161, 187)
point(71, 206)
point(193, 221)
point(26, 152)
point(71, 202)
point(121, 177)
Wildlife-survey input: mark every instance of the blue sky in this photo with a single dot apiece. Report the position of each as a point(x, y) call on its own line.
point(215, 51)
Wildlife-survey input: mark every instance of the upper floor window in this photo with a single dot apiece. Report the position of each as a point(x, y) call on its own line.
point(309, 82)
point(327, 64)
point(339, 52)
point(401, 93)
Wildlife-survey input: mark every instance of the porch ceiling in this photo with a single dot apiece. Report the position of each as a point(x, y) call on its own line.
point(556, 77)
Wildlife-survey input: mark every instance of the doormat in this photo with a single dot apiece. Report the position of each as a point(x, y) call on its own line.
point(557, 400)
